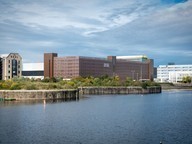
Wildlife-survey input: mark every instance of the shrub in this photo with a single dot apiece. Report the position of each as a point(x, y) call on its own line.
point(144, 85)
point(53, 79)
point(15, 86)
point(30, 87)
point(6, 84)
point(52, 86)
point(46, 80)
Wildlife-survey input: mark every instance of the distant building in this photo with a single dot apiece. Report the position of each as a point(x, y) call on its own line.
point(33, 70)
point(11, 66)
point(73, 66)
point(177, 76)
point(173, 73)
point(49, 64)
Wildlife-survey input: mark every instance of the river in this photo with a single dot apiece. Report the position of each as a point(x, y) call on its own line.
point(106, 119)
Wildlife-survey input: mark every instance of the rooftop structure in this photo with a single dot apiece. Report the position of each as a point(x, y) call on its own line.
point(140, 58)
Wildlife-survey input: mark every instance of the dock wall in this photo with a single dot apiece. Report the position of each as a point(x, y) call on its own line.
point(74, 94)
point(118, 90)
point(39, 94)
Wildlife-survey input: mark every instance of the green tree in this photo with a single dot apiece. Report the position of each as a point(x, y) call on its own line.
point(128, 81)
point(186, 79)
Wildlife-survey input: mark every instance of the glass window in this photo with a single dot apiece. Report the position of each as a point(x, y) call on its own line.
point(8, 66)
point(9, 71)
point(14, 67)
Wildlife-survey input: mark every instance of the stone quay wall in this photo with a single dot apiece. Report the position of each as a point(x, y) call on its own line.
point(75, 93)
point(39, 94)
point(118, 90)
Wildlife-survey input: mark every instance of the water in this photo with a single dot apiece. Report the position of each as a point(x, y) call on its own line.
point(109, 119)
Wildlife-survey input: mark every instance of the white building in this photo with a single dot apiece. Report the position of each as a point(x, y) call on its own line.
point(177, 76)
point(33, 70)
point(173, 73)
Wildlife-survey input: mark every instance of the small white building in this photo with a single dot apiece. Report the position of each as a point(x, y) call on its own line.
point(33, 70)
point(173, 73)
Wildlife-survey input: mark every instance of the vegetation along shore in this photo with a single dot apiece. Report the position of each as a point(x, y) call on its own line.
point(59, 83)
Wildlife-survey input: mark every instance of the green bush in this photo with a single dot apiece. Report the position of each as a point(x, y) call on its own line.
point(30, 86)
point(15, 86)
point(52, 86)
point(144, 85)
point(186, 79)
point(6, 84)
point(46, 80)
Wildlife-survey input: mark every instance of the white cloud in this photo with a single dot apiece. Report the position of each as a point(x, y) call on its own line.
point(104, 26)
point(78, 14)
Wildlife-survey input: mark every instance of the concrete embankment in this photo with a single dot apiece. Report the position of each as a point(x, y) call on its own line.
point(118, 90)
point(39, 94)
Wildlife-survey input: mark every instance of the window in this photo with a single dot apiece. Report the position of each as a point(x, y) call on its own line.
point(9, 61)
point(8, 66)
point(19, 72)
point(9, 71)
point(8, 77)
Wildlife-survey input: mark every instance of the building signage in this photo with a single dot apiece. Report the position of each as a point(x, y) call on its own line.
point(106, 65)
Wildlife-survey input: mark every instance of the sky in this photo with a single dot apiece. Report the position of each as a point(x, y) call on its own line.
point(160, 29)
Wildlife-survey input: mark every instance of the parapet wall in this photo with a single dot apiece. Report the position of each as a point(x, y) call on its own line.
point(39, 94)
point(118, 90)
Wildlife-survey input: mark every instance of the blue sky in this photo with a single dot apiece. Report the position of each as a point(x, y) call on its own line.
point(160, 29)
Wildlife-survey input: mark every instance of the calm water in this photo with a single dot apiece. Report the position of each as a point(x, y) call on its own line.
point(109, 119)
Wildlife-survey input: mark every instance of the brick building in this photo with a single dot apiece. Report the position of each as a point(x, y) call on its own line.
point(49, 64)
point(137, 68)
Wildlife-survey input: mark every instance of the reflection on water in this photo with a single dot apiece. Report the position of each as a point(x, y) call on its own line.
point(33, 102)
point(122, 119)
point(44, 104)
